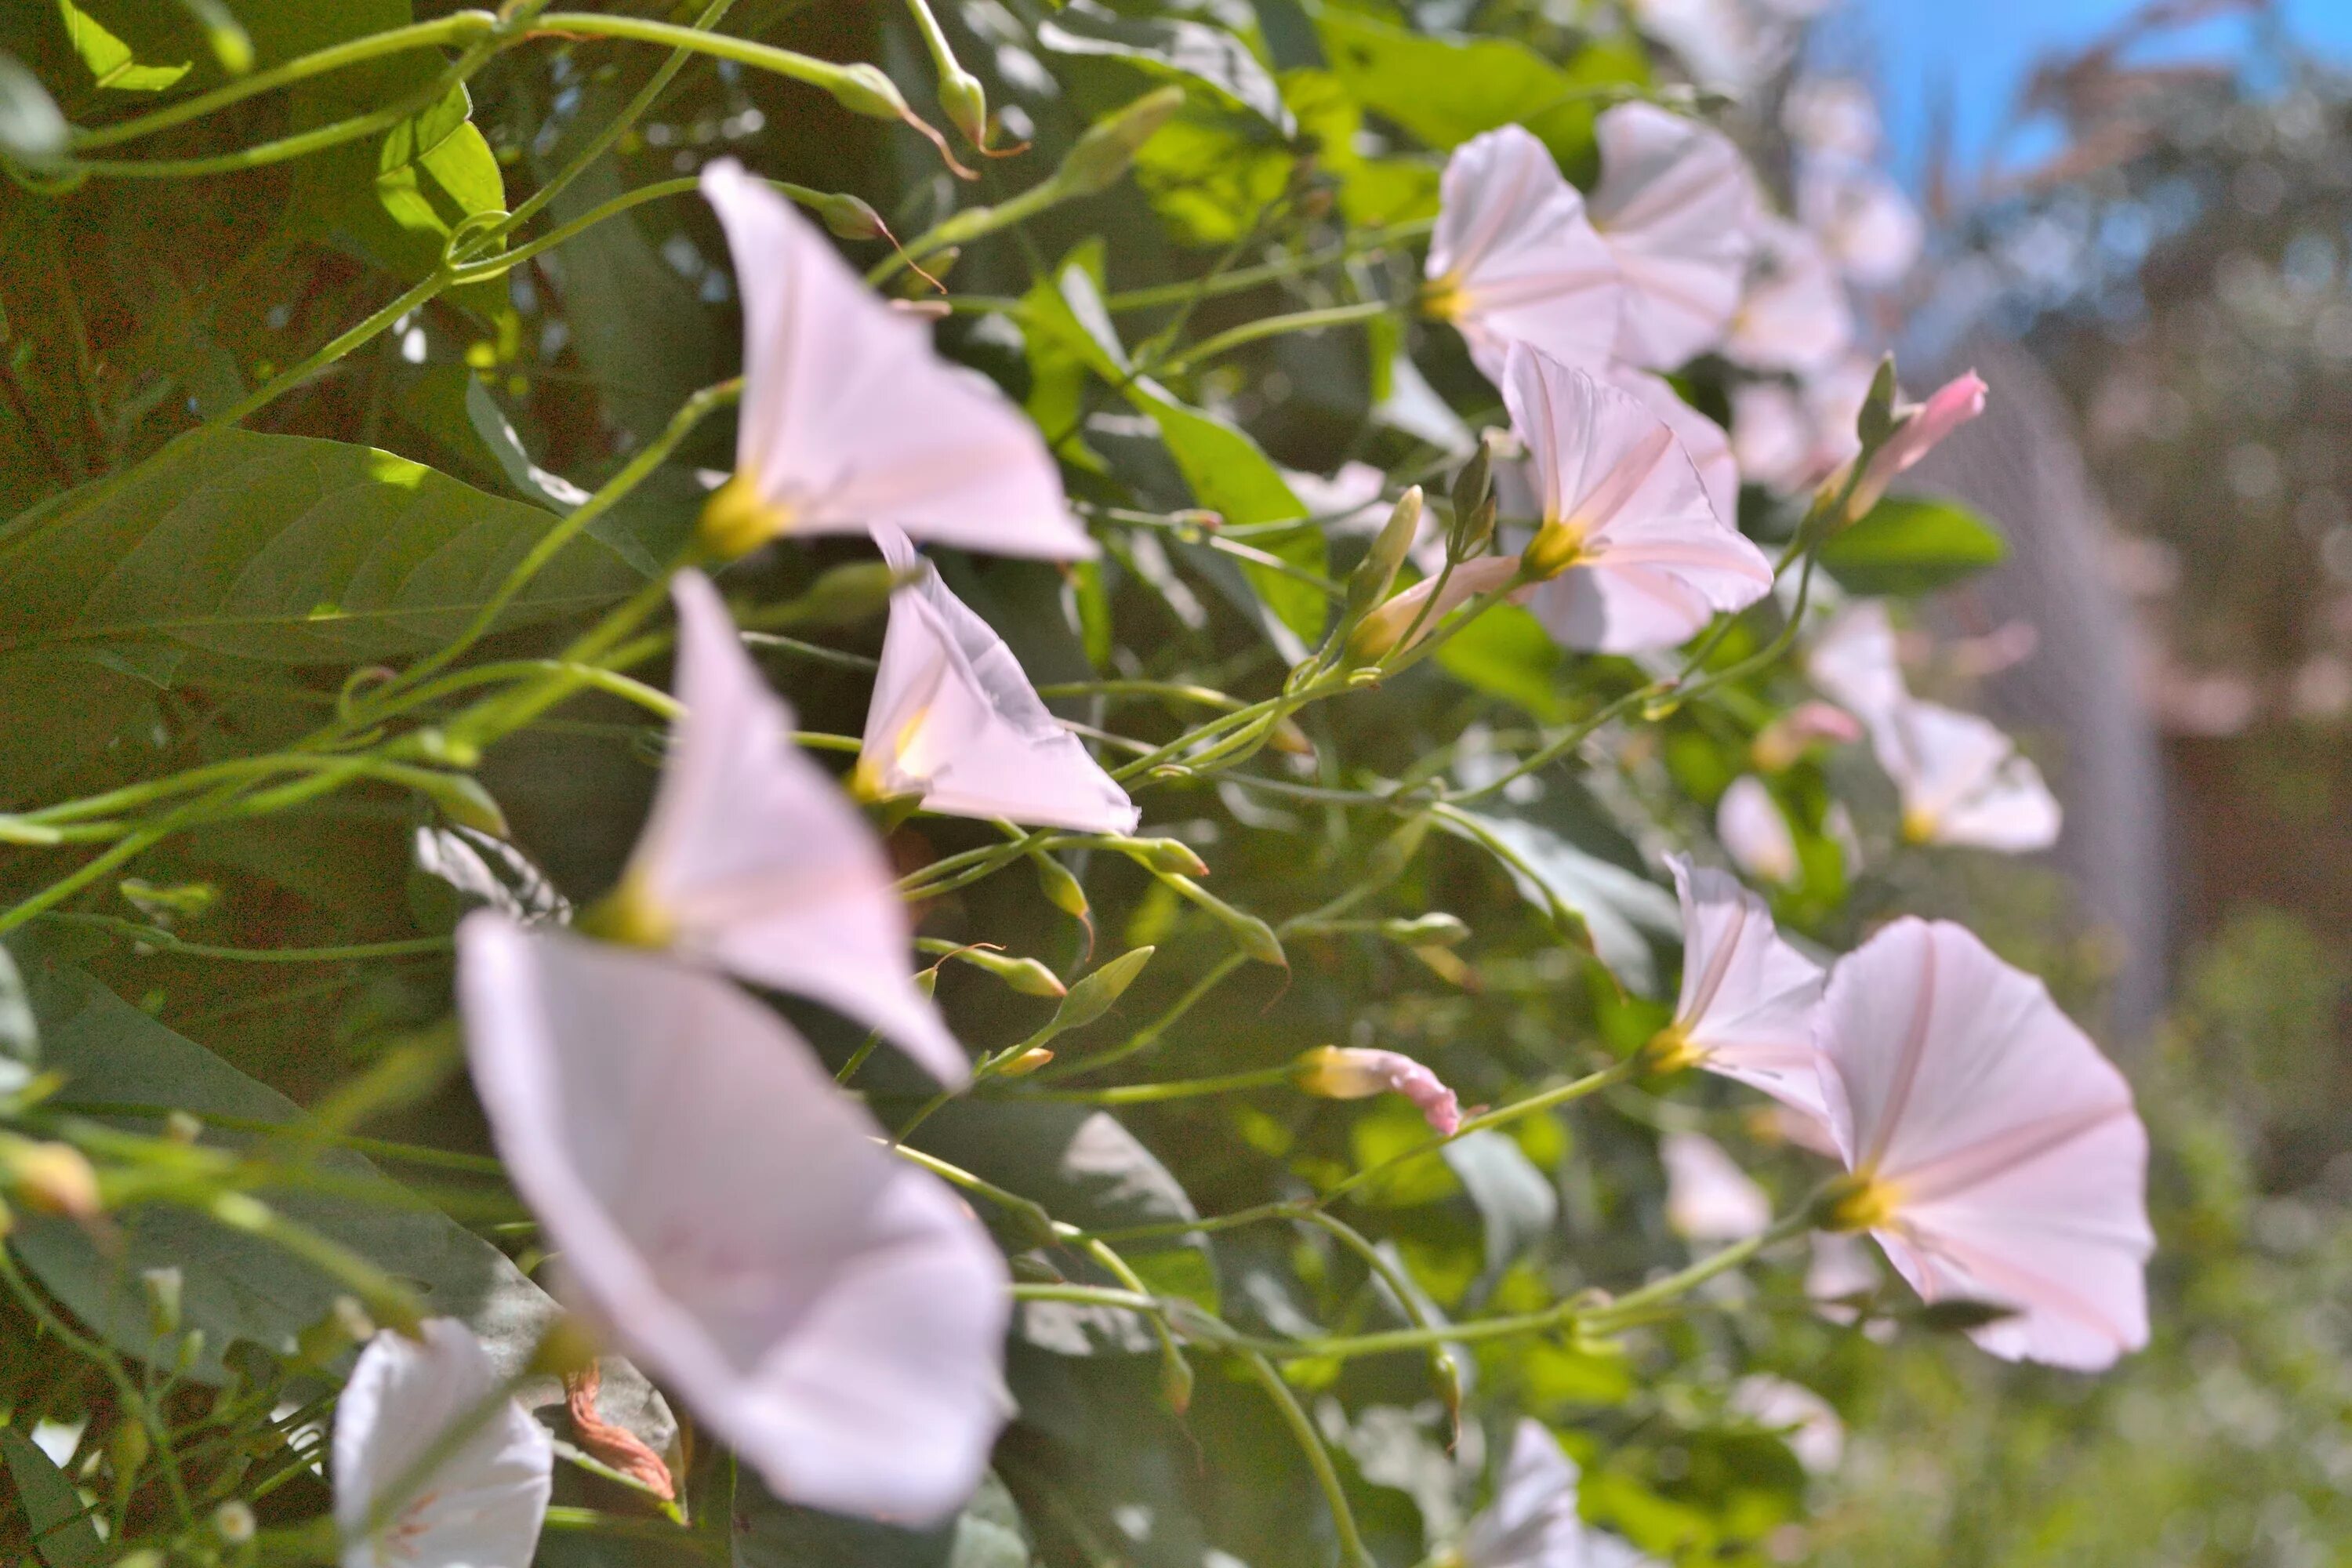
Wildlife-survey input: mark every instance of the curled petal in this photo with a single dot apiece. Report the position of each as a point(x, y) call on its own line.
point(1677, 207)
point(1515, 258)
point(2001, 1153)
point(954, 720)
point(1779, 745)
point(1442, 594)
point(754, 861)
point(1345, 1072)
point(483, 1503)
point(850, 418)
point(730, 1216)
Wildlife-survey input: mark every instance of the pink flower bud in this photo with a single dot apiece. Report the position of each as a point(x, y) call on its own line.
point(1953, 404)
point(1341, 1072)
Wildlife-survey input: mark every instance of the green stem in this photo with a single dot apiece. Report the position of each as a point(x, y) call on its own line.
point(854, 88)
point(164, 940)
point(1182, 1089)
point(1319, 1458)
point(1276, 326)
point(1628, 1308)
point(1143, 1039)
point(1240, 278)
point(1546, 1099)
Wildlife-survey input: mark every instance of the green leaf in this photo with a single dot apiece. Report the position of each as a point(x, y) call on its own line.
point(278, 548)
point(55, 1517)
point(1506, 653)
point(1445, 90)
point(239, 1287)
point(1610, 904)
point(1912, 544)
point(31, 128)
point(113, 63)
point(1193, 53)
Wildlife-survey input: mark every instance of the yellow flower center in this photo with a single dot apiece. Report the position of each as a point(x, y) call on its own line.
point(1442, 298)
point(735, 521)
point(1919, 824)
point(630, 917)
point(1558, 546)
point(1863, 1202)
point(1670, 1050)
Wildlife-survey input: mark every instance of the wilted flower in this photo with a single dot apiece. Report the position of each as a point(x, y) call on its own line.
point(1994, 1153)
point(1709, 1197)
point(1795, 315)
point(1755, 832)
point(835, 1315)
point(1533, 1522)
point(850, 418)
point(1345, 1072)
point(1631, 553)
point(1745, 1005)
point(1677, 204)
point(1515, 259)
point(754, 861)
point(954, 720)
point(482, 1504)
point(1807, 1424)
point(1963, 781)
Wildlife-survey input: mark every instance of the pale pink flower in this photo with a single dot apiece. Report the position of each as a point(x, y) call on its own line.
point(1923, 428)
point(832, 1314)
point(1995, 1153)
point(1803, 1418)
point(1703, 442)
point(480, 1507)
point(1962, 781)
point(1856, 660)
point(1795, 315)
point(1708, 1196)
point(1515, 260)
point(1635, 555)
point(955, 720)
point(1756, 832)
point(1533, 1521)
point(1347, 1072)
point(850, 418)
point(1745, 1005)
point(1677, 204)
point(1870, 228)
point(754, 861)
point(1781, 744)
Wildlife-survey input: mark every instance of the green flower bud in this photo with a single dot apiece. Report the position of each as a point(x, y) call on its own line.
point(965, 103)
point(1103, 154)
point(848, 218)
point(862, 89)
point(1370, 583)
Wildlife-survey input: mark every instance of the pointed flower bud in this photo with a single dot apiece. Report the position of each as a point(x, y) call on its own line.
point(1368, 584)
point(1475, 479)
point(1952, 405)
point(53, 1178)
point(1346, 1072)
point(965, 103)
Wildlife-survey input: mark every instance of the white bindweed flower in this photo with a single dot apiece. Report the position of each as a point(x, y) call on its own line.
point(1803, 1418)
point(1795, 315)
point(1515, 259)
point(754, 861)
point(1865, 222)
point(850, 418)
point(1963, 782)
point(1533, 1522)
point(481, 1506)
point(1708, 1196)
point(1755, 832)
point(832, 1314)
point(955, 722)
point(1630, 554)
point(1676, 206)
point(1994, 1153)
point(1856, 661)
point(1746, 1007)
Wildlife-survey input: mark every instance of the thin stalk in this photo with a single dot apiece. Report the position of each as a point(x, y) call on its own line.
point(166, 942)
point(1274, 327)
point(1319, 1458)
point(1181, 1089)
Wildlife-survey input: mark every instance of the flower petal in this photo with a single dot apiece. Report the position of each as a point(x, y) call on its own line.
point(1747, 998)
point(760, 864)
point(1854, 660)
point(1523, 262)
point(1677, 204)
point(1795, 316)
point(1709, 1197)
point(955, 720)
point(1963, 781)
point(1755, 832)
point(836, 1316)
point(480, 1506)
point(851, 418)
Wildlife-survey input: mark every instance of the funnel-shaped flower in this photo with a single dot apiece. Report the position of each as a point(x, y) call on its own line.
point(1963, 781)
point(1533, 1522)
point(480, 1505)
point(849, 417)
point(1747, 1002)
point(1795, 315)
point(1677, 206)
point(1855, 660)
point(835, 1315)
point(1755, 832)
point(1347, 1072)
point(954, 720)
point(1635, 556)
point(1709, 1197)
point(1515, 259)
point(754, 861)
point(1995, 1153)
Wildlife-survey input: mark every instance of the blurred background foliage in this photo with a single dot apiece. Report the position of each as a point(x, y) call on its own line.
point(2180, 272)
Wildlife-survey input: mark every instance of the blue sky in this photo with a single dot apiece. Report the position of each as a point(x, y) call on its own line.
point(1979, 50)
